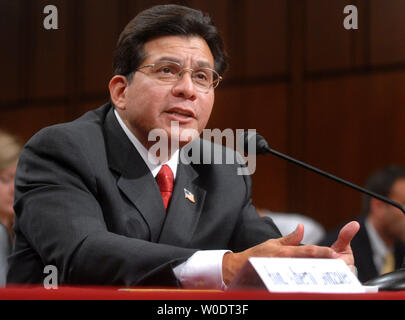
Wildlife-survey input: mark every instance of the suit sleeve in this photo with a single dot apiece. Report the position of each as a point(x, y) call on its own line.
point(60, 217)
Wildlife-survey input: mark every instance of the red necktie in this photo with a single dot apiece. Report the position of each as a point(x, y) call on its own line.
point(164, 180)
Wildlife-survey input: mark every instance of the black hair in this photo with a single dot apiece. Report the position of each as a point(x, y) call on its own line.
point(165, 20)
point(381, 182)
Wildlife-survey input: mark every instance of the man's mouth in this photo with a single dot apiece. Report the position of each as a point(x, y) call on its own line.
point(181, 114)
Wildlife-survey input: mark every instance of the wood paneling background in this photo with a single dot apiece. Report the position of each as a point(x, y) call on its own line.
point(326, 95)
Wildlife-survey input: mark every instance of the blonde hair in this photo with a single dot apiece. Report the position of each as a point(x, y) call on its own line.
point(10, 148)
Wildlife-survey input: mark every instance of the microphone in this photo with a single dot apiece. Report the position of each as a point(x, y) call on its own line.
point(262, 147)
point(392, 281)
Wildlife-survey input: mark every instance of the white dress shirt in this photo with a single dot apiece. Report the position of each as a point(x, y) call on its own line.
point(204, 268)
point(380, 250)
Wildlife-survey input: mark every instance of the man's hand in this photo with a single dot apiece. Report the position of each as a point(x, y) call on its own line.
point(342, 244)
point(288, 246)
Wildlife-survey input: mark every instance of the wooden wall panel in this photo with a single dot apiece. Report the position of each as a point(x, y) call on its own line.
point(86, 106)
point(12, 19)
point(218, 11)
point(233, 35)
point(395, 85)
point(222, 13)
point(333, 129)
point(265, 38)
point(48, 62)
point(137, 6)
point(25, 122)
point(262, 108)
point(328, 43)
point(361, 37)
point(99, 37)
point(228, 109)
point(352, 130)
point(254, 33)
point(265, 109)
point(387, 27)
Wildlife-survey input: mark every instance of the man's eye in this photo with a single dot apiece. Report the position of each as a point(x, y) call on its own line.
point(201, 75)
point(167, 70)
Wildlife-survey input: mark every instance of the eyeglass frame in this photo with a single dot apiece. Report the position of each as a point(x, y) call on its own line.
point(180, 74)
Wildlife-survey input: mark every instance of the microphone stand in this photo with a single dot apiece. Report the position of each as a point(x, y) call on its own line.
point(337, 179)
point(392, 281)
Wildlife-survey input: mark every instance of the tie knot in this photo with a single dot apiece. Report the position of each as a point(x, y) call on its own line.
point(165, 179)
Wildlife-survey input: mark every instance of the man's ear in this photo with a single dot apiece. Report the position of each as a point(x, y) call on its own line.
point(117, 87)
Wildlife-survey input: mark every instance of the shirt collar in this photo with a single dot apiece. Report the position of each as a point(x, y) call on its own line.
point(380, 250)
point(151, 161)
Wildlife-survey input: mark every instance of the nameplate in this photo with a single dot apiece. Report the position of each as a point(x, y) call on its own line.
point(298, 275)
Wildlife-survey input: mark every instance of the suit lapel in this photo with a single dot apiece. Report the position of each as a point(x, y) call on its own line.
point(183, 215)
point(135, 179)
point(143, 193)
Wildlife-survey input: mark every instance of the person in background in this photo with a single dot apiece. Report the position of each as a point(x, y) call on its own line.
point(379, 246)
point(10, 148)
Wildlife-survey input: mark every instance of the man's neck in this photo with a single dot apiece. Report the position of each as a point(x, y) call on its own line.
point(152, 160)
point(386, 239)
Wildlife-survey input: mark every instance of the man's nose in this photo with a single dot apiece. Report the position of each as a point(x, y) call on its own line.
point(185, 87)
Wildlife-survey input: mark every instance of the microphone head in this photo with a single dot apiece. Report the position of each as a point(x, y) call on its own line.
point(255, 139)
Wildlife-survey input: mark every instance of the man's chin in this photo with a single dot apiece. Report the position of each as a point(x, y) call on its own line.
point(183, 134)
point(162, 143)
point(185, 137)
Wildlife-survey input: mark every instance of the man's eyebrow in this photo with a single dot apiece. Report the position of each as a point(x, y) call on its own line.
point(167, 58)
point(200, 63)
point(204, 64)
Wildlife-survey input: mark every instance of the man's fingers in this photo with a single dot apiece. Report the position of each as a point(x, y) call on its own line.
point(290, 246)
point(346, 235)
point(294, 238)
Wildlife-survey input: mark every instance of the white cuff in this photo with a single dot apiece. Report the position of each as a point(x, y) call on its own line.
point(203, 270)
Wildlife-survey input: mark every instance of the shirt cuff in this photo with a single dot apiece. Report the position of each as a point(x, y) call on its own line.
point(203, 270)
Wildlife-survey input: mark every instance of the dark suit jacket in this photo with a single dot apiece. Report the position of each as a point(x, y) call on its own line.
point(87, 203)
point(363, 253)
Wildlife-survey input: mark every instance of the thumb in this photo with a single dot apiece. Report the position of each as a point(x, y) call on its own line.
point(345, 236)
point(294, 238)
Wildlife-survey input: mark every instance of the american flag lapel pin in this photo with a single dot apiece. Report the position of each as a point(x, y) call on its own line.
point(188, 195)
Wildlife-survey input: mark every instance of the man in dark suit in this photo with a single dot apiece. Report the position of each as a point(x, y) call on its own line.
point(379, 246)
point(87, 200)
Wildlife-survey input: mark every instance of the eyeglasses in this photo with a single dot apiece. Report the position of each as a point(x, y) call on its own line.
point(204, 78)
